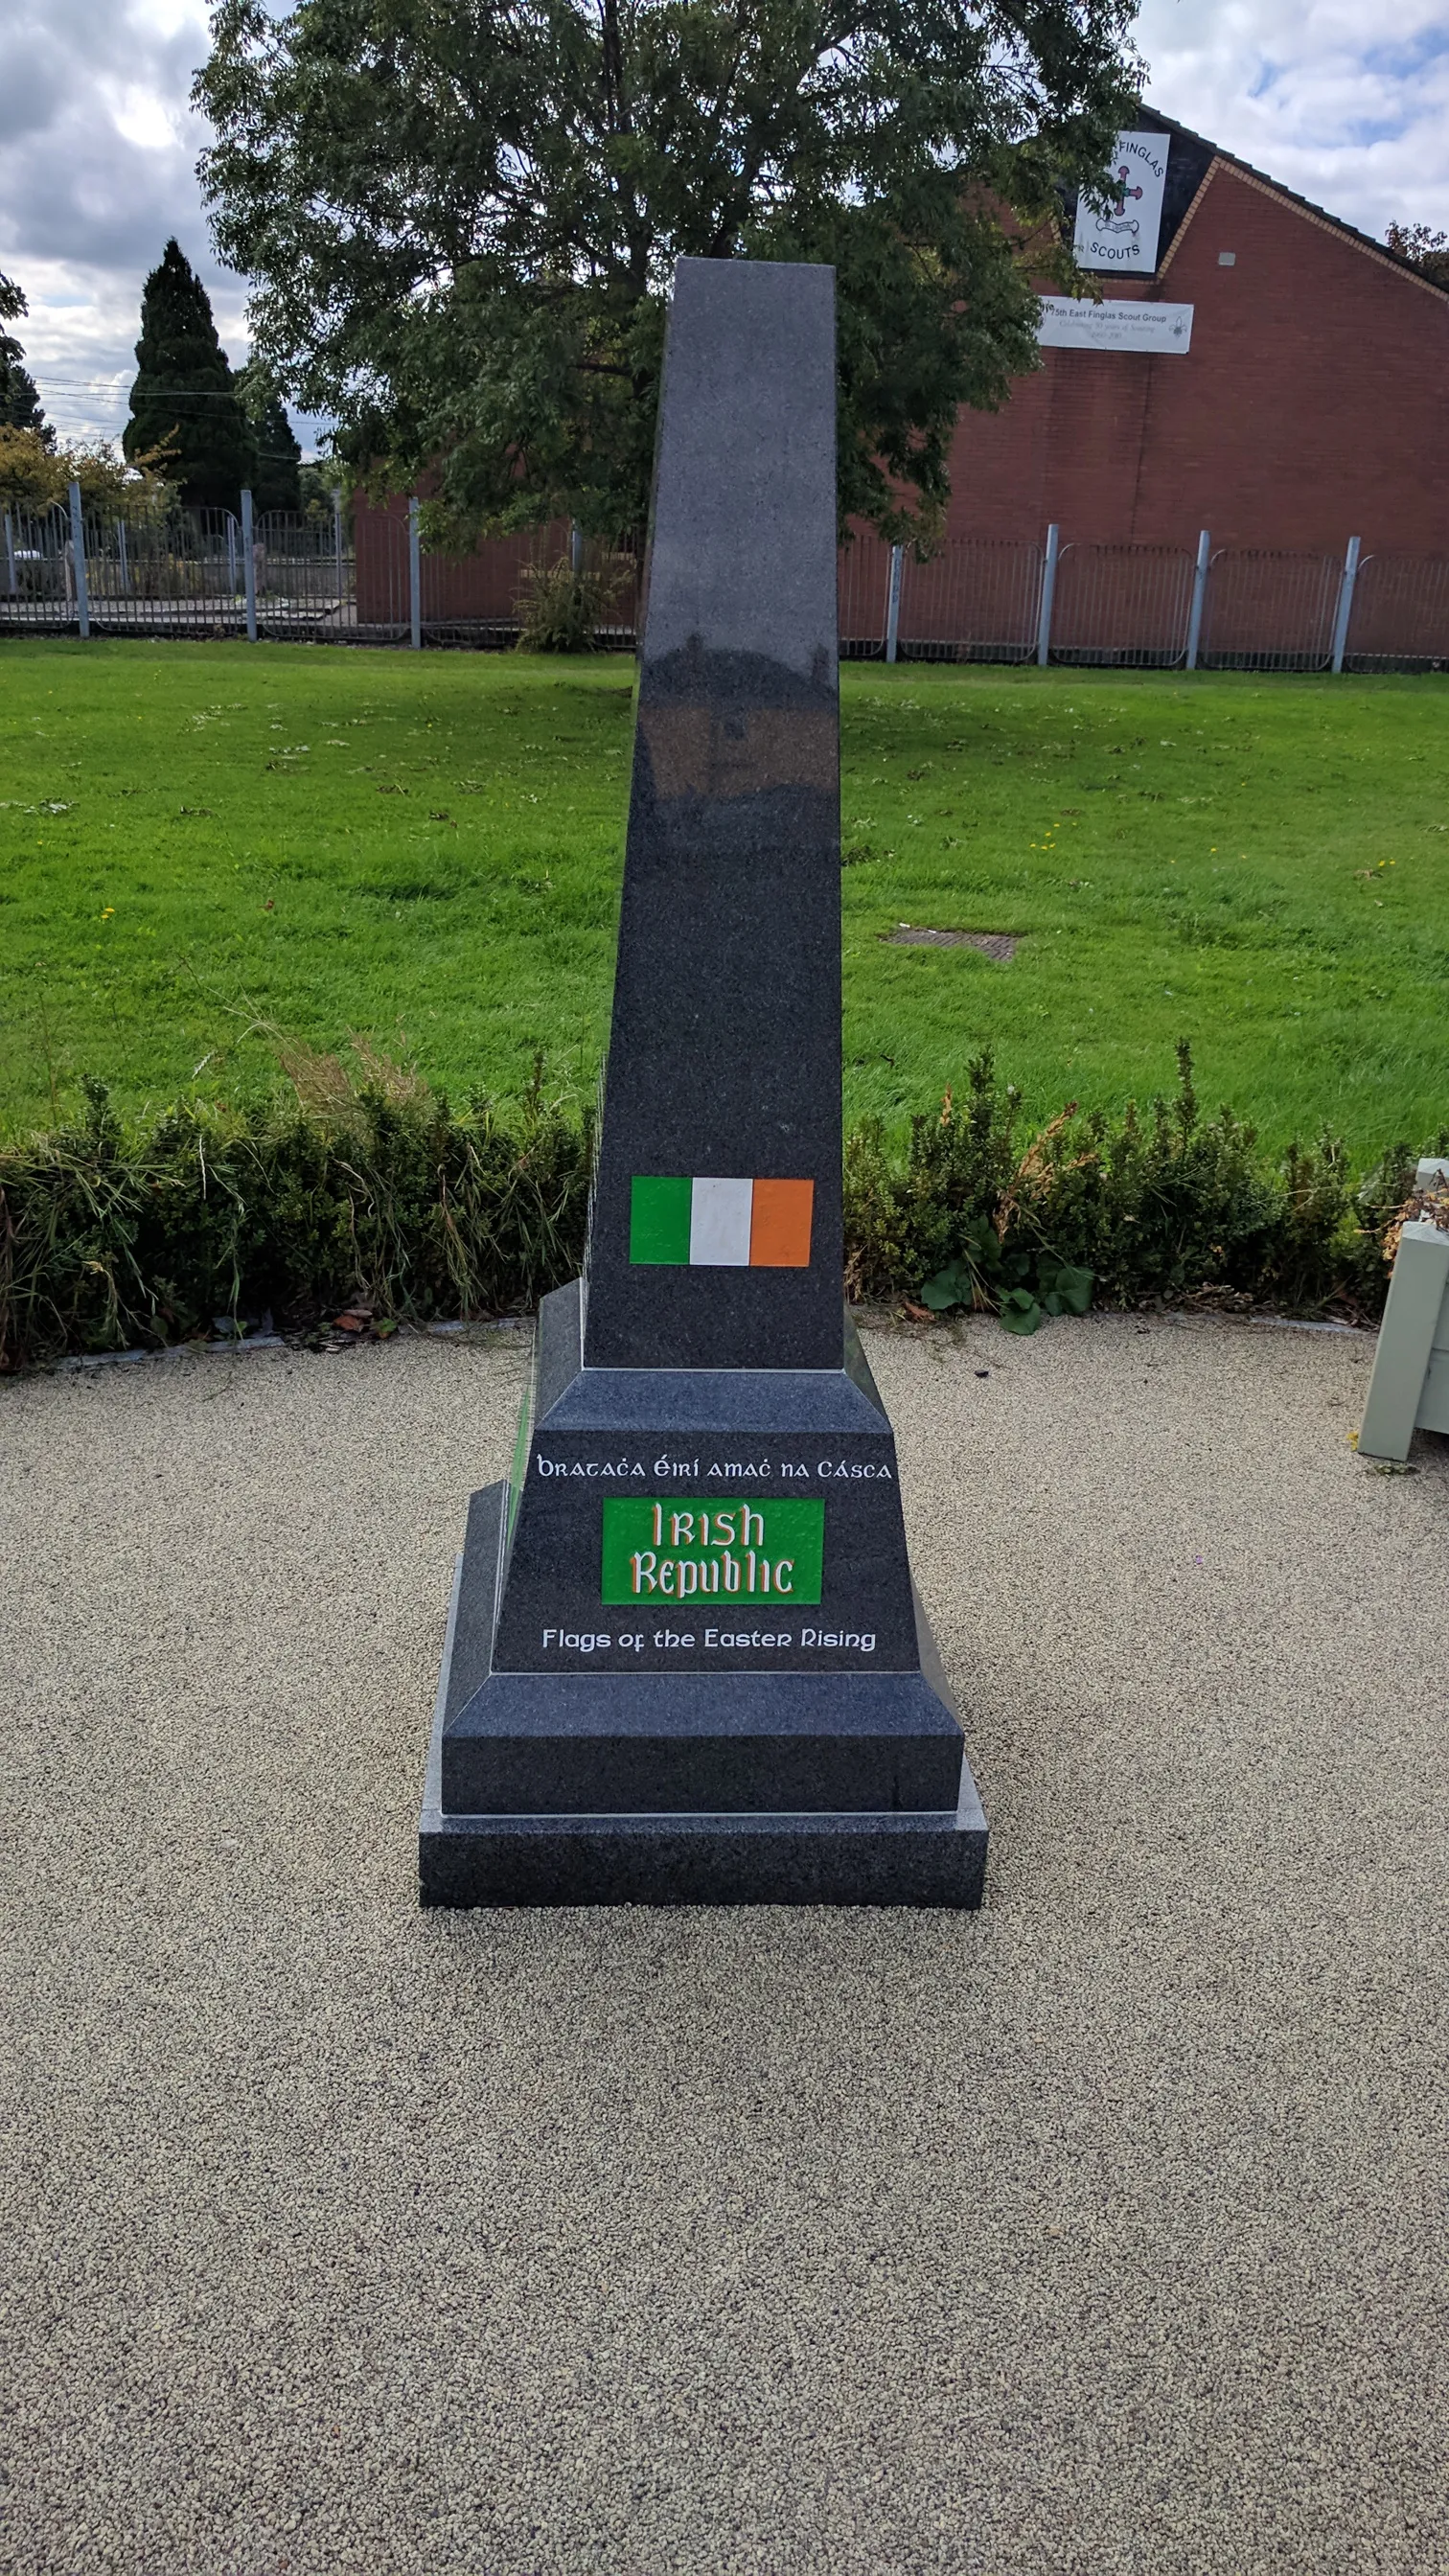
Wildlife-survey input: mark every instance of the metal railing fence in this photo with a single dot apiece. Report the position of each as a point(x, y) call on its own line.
point(1400, 613)
point(1270, 612)
point(175, 572)
point(365, 575)
point(406, 589)
point(864, 580)
point(975, 601)
point(1122, 605)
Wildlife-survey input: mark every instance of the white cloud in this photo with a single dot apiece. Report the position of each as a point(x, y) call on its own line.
point(1351, 112)
point(98, 148)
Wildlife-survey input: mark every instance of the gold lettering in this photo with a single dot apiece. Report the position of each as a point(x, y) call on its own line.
point(686, 1578)
point(785, 1566)
point(747, 1533)
point(681, 1529)
point(643, 1564)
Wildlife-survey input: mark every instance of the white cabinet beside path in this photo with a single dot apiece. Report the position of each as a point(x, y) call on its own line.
point(1409, 1389)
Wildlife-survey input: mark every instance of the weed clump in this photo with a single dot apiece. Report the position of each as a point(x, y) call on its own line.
point(360, 1186)
point(561, 607)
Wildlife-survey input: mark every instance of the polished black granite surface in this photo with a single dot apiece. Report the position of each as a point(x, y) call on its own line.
point(686, 1663)
point(769, 1854)
point(724, 1052)
point(735, 1440)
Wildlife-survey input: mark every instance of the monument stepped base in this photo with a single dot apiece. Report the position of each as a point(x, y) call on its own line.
point(851, 1855)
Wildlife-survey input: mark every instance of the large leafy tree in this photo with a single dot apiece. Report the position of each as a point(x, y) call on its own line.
point(20, 406)
point(184, 401)
point(36, 471)
point(460, 216)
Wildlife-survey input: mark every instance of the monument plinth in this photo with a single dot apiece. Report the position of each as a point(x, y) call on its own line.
point(685, 1663)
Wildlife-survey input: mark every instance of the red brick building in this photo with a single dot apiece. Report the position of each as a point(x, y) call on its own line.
point(1272, 376)
point(1311, 405)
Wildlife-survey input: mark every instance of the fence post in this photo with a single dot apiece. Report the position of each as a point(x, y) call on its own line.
point(1048, 594)
point(78, 548)
point(123, 560)
point(337, 550)
point(415, 577)
point(12, 584)
point(231, 555)
point(576, 548)
point(249, 566)
point(1345, 602)
point(893, 603)
point(1199, 597)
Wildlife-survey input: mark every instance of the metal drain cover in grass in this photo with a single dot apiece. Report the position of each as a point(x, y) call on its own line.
point(1000, 944)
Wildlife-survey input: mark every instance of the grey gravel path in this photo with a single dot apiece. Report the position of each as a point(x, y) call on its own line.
point(1104, 2231)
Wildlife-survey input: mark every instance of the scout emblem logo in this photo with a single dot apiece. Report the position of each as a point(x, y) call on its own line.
point(1119, 206)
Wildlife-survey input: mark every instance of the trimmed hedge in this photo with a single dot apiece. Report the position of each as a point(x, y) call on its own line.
point(368, 1188)
point(1167, 1206)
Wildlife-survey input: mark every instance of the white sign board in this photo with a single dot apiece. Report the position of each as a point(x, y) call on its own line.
point(1125, 237)
point(1157, 329)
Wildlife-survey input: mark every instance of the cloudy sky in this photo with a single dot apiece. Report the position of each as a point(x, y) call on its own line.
point(98, 147)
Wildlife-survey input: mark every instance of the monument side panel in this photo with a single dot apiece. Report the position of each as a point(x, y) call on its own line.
point(716, 1236)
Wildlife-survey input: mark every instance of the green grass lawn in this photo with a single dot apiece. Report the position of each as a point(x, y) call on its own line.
point(202, 845)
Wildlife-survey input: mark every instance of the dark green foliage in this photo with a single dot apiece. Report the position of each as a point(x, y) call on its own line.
point(111, 1240)
point(371, 1189)
point(561, 610)
point(1023, 1286)
point(20, 406)
point(462, 219)
point(277, 474)
point(184, 398)
point(1428, 250)
point(1167, 1206)
point(321, 486)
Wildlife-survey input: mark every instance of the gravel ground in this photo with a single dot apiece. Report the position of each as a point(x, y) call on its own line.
point(1101, 2231)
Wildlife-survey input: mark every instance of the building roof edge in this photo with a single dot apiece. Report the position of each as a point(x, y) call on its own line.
point(1223, 159)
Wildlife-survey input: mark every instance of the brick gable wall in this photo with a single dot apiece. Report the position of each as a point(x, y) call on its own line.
point(1313, 404)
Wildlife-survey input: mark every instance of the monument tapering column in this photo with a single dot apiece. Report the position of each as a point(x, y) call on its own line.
point(716, 1234)
point(685, 1663)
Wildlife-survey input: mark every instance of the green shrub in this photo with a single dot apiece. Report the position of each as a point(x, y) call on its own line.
point(376, 1193)
point(363, 1187)
point(1162, 1207)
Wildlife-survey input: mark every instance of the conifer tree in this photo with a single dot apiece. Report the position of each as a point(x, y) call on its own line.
point(185, 398)
point(19, 402)
point(276, 484)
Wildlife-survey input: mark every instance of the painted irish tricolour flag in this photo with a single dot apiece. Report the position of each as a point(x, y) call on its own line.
point(721, 1225)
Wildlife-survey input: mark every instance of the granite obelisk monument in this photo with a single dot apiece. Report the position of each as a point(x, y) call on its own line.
point(685, 1663)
